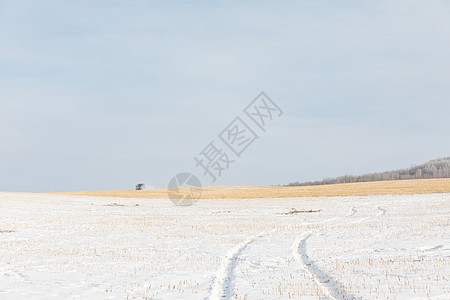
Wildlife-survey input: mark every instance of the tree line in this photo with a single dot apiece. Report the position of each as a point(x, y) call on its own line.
point(438, 168)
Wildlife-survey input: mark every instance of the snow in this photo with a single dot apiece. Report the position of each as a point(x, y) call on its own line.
point(73, 247)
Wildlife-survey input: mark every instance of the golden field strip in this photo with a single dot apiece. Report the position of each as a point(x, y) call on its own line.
point(407, 187)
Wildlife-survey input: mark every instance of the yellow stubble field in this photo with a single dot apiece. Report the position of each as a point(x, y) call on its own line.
point(422, 186)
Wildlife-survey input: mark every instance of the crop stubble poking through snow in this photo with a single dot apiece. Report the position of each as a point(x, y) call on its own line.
point(370, 247)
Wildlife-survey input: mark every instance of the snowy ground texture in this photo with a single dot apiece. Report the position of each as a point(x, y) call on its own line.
point(374, 247)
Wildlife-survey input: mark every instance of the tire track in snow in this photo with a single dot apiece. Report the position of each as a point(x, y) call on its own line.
point(222, 287)
point(352, 212)
point(329, 286)
point(381, 212)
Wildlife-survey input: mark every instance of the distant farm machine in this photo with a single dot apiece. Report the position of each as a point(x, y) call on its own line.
point(140, 187)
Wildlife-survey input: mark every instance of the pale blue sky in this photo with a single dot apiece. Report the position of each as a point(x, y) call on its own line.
point(101, 95)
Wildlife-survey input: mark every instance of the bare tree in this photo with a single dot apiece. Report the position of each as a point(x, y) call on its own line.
point(438, 168)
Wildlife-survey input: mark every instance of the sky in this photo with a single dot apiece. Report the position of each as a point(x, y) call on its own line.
point(102, 95)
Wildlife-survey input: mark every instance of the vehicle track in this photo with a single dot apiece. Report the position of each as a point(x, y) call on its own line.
point(381, 212)
point(222, 287)
point(329, 286)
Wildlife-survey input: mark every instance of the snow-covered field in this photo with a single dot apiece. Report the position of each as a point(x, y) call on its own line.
point(373, 247)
